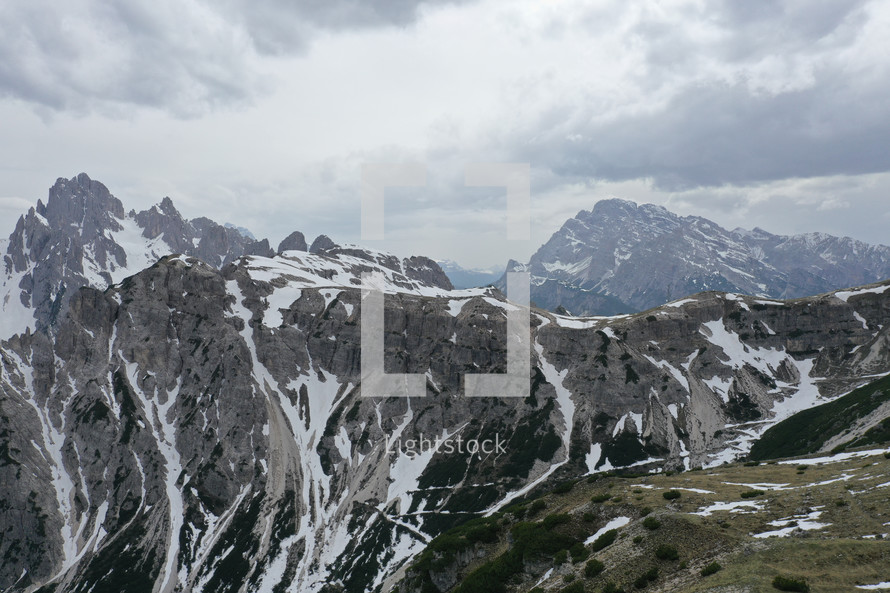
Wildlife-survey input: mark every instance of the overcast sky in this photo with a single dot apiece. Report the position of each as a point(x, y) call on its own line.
point(771, 114)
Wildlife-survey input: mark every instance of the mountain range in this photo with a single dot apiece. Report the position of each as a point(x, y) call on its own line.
point(470, 277)
point(194, 420)
point(621, 257)
point(82, 236)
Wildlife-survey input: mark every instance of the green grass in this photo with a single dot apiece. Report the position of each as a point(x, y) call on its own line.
point(697, 554)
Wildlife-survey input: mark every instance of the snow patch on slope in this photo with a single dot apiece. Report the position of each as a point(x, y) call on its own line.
point(567, 409)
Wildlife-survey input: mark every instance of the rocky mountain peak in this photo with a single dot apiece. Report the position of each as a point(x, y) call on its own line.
point(166, 206)
point(621, 257)
point(321, 244)
point(83, 202)
point(426, 271)
point(296, 241)
point(611, 207)
point(515, 266)
point(164, 219)
point(82, 236)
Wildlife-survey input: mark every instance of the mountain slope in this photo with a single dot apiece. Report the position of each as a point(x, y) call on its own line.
point(201, 427)
point(856, 419)
point(621, 257)
point(206, 427)
point(736, 528)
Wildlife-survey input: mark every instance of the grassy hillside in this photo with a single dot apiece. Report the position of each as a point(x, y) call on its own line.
point(733, 528)
point(807, 431)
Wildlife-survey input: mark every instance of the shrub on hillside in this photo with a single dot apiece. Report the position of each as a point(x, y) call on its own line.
point(647, 577)
point(517, 510)
point(593, 568)
point(710, 569)
point(783, 583)
point(551, 521)
point(564, 487)
point(604, 540)
point(667, 552)
point(579, 552)
point(752, 493)
point(576, 587)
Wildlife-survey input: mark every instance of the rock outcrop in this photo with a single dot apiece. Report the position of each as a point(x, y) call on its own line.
point(296, 241)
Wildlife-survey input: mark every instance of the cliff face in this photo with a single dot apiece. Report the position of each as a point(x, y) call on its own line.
point(203, 430)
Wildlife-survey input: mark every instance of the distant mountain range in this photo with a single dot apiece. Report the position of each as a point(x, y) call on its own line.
point(469, 278)
point(622, 257)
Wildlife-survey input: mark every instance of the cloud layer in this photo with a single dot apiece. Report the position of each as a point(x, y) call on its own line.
point(265, 112)
point(183, 56)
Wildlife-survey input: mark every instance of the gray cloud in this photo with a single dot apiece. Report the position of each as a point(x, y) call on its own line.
point(817, 114)
point(710, 136)
point(87, 56)
point(781, 25)
point(186, 57)
point(285, 26)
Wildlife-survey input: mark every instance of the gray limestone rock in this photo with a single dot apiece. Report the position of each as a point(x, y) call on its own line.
point(293, 242)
